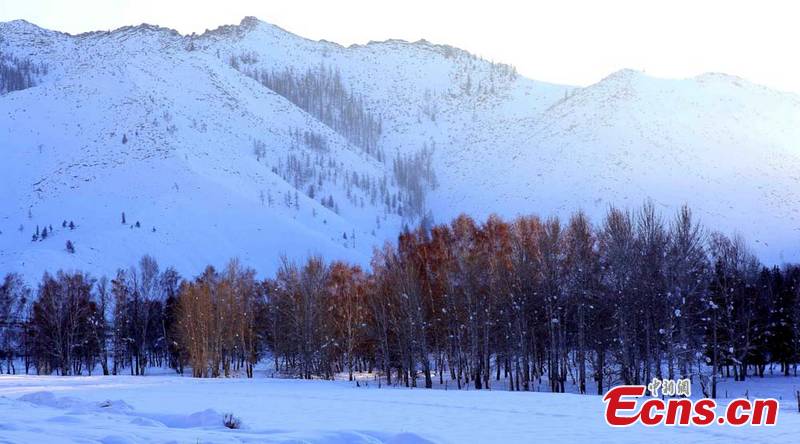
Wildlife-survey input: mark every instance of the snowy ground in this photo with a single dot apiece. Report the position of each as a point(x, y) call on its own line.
point(126, 409)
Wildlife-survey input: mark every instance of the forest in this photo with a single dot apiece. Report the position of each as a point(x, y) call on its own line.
point(526, 304)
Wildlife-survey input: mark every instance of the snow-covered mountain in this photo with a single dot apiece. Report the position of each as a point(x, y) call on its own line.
point(250, 141)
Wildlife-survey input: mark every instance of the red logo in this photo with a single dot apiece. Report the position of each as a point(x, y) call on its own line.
point(623, 410)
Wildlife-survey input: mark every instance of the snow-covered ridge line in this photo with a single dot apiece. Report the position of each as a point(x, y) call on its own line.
point(246, 25)
point(251, 23)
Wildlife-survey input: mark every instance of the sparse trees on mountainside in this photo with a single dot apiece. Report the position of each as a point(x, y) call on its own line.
point(537, 304)
point(310, 139)
point(18, 74)
point(414, 175)
point(319, 171)
point(259, 149)
point(321, 92)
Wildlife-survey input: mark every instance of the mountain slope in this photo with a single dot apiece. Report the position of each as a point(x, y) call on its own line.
point(250, 141)
point(727, 147)
point(132, 135)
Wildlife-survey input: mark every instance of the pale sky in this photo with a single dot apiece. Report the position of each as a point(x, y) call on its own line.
point(564, 41)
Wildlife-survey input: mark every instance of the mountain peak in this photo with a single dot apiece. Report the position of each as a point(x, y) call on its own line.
point(624, 74)
point(722, 78)
point(247, 25)
point(21, 26)
point(250, 22)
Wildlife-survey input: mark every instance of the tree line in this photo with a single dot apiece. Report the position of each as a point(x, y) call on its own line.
point(529, 304)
